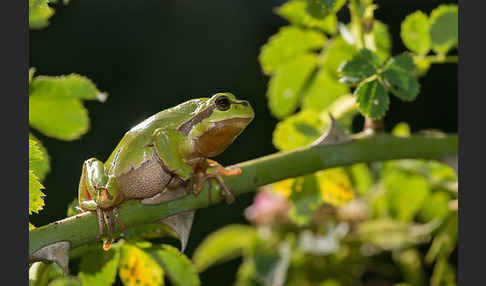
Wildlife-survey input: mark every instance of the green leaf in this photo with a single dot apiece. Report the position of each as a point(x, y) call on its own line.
point(323, 90)
point(39, 13)
point(224, 244)
point(338, 51)
point(435, 206)
point(335, 186)
point(298, 130)
point(410, 263)
point(406, 194)
point(397, 74)
point(99, 267)
point(401, 130)
point(72, 86)
point(295, 11)
point(288, 43)
point(55, 107)
point(66, 281)
point(360, 67)
point(372, 100)
point(246, 273)
point(415, 33)
point(286, 86)
point(40, 166)
point(139, 268)
point(304, 199)
point(444, 28)
point(179, 268)
point(36, 201)
point(382, 40)
point(31, 226)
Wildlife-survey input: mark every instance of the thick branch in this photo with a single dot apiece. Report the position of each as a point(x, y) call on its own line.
point(82, 228)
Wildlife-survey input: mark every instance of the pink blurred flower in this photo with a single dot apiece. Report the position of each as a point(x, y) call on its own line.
point(268, 208)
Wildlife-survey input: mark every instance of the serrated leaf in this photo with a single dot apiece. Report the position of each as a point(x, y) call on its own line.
point(178, 267)
point(224, 244)
point(304, 199)
point(285, 87)
point(288, 43)
point(338, 51)
point(415, 32)
point(36, 201)
point(139, 268)
point(99, 267)
point(372, 99)
point(295, 12)
point(298, 130)
point(320, 8)
point(360, 67)
point(323, 90)
point(444, 28)
point(397, 74)
point(335, 186)
point(39, 13)
point(41, 165)
point(379, 40)
point(66, 281)
point(406, 194)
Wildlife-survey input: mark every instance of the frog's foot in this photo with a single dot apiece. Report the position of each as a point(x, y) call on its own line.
point(228, 171)
point(106, 218)
point(225, 190)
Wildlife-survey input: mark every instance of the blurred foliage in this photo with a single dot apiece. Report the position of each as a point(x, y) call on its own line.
point(384, 223)
point(365, 224)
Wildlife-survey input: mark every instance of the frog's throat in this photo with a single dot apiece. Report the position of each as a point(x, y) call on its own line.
point(220, 135)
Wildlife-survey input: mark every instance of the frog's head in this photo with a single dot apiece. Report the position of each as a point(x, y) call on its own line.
point(218, 122)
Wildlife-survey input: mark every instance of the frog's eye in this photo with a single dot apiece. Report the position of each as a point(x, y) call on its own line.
point(222, 103)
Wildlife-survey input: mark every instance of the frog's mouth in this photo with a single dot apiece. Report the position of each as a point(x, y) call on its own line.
point(220, 135)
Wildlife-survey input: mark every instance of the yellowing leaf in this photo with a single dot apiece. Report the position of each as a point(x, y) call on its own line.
point(138, 268)
point(288, 43)
point(40, 164)
point(296, 12)
point(39, 13)
point(335, 186)
point(283, 187)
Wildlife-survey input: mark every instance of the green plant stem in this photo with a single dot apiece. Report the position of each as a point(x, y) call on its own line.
point(437, 59)
point(81, 229)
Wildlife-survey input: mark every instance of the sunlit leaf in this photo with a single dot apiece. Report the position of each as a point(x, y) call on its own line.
point(415, 32)
point(323, 90)
point(36, 201)
point(246, 274)
point(401, 130)
point(362, 177)
point(321, 8)
point(66, 281)
point(224, 244)
point(372, 100)
point(298, 130)
point(338, 52)
point(139, 268)
point(99, 267)
point(436, 205)
point(39, 13)
point(288, 43)
point(382, 39)
point(444, 27)
point(178, 267)
point(63, 95)
point(295, 11)
point(360, 67)
point(285, 87)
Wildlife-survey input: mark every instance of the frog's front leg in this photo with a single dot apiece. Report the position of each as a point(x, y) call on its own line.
point(99, 192)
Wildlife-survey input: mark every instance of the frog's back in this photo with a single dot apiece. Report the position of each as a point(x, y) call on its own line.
point(134, 147)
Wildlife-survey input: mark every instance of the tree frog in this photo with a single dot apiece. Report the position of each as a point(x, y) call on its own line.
point(161, 153)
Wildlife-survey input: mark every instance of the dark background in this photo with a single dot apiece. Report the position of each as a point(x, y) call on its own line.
point(153, 54)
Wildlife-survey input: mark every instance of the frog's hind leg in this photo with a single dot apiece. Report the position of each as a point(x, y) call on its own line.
point(109, 222)
point(101, 224)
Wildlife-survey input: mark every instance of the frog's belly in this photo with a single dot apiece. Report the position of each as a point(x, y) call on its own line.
point(145, 181)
